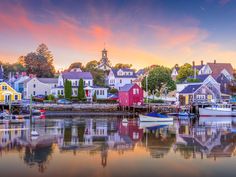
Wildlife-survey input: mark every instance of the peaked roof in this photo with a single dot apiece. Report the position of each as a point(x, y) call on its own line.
point(126, 87)
point(115, 71)
point(217, 68)
point(77, 75)
point(191, 88)
point(140, 72)
point(43, 80)
point(201, 77)
point(198, 67)
point(48, 80)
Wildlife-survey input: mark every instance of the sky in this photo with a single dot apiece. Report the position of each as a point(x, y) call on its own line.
point(138, 32)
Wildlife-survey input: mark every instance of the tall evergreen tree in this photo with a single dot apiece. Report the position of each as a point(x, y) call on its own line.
point(95, 97)
point(68, 89)
point(81, 93)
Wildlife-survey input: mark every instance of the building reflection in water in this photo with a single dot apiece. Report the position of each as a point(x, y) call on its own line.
point(201, 139)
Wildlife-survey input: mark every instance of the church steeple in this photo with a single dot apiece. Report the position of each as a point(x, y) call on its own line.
point(104, 61)
point(104, 56)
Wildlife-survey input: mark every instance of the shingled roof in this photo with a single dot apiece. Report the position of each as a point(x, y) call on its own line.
point(115, 71)
point(126, 87)
point(77, 75)
point(217, 68)
point(201, 77)
point(190, 88)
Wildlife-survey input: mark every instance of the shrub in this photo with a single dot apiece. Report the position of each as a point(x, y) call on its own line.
point(106, 101)
point(113, 91)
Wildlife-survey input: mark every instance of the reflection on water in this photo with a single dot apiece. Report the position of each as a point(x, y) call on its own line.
point(88, 146)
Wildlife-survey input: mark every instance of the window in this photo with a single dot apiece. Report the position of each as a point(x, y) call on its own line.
point(62, 92)
point(58, 92)
point(34, 93)
point(89, 83)
point(4, 87)
point(46, 93)
point(120, 80)
point(97, 92)
point(34, 85)
point(16, 97)
point(76, 83)
point(55, 85)
point(135, 91)
point(101, 92)
point(201, 97)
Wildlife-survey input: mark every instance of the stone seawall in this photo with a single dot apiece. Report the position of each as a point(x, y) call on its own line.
point(93, 107)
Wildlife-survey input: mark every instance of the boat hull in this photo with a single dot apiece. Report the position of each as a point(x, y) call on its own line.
point(143, 118)
point(203, 112)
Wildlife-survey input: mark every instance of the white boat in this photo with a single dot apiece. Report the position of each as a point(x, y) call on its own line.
point(217, 110)
point(143, 125)
point(155, 117)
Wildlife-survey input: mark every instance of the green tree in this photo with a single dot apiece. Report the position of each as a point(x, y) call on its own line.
point(81, 93)
point(94, 97)
point(12, 68)
point(184, 72)
point(158, 78)
point(76, 65)
point(68, 89)
point(91, 65)
point(121, 65)
point(113, 91)
point(45, 52)
point(98, 74)
point(40, 62)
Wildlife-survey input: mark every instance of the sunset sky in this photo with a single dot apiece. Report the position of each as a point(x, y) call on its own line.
point(142, 33)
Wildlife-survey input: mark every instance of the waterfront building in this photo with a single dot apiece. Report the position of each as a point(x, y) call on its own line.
point(204, 89)
point(105, 64)
point(117, 78)
point(75, 76)
point(39, 86)
point(8, 94)
point(130, 94)
point(214, 76)
point(19, 83)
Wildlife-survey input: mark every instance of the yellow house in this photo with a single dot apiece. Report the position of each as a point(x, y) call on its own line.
point(7, 93)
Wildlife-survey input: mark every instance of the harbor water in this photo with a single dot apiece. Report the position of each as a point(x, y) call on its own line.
point(112, 147)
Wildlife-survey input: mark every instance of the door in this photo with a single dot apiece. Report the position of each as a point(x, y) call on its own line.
point(7, 98)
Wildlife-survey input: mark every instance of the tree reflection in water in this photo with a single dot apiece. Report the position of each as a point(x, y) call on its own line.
point(38, 157)
point(99, 137)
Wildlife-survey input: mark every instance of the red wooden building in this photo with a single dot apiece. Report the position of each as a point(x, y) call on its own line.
point(130, 94)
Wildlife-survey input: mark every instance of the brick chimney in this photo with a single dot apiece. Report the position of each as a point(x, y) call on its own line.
point(202, 62)
point(193, 64)
point(214, 61)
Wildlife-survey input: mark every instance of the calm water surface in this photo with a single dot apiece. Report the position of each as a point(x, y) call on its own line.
point(108, 147)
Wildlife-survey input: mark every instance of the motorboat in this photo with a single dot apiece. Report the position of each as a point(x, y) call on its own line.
point(217, 110)
point(185, 115)
point(143, 125)
point(155, 117)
